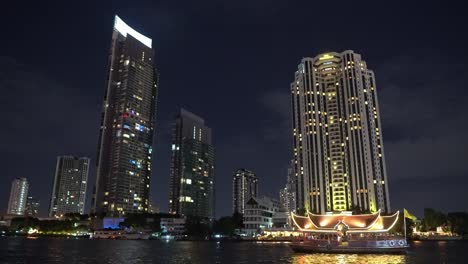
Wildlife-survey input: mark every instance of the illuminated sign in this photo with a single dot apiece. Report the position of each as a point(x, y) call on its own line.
point(326, 57)
point(124, 29)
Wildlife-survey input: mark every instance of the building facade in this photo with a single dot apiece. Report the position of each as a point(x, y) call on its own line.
point(69, 190)
point(126, 133)
point(339, 159)
point(258, 214)
point(18, 196)
point(173, 227)
point(32, 207)
point(192, 167)
point(288, 193)
point(244, 186)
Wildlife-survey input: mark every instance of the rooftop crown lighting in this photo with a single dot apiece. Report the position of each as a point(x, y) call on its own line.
point(325, 57)
point(124, 29)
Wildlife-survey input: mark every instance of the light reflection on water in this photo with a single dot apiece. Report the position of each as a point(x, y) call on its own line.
point(61, 250)
point(348, 258)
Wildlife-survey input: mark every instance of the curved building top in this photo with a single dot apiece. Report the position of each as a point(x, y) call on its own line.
point(125, 29)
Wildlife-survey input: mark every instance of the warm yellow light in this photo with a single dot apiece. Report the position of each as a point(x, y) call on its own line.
point(355, 222)
point(325, 57)
point(32, 231)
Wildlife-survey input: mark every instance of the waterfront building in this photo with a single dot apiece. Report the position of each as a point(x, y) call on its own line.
point(288, 193)
point(244, 186)
point(281, 220)
point(173, 226)
point(258, 214)
point(127, 123)
point(18, 196)
point(192, 167)
point(339, 160)
point(69, 189)
point(32, 207)
point(112, 222)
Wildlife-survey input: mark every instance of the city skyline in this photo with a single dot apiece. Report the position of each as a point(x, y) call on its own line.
point(59, 90)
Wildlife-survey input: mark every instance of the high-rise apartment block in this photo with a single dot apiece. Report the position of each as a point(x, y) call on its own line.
point(127, 123)
point(32, 207)
point(69, 190)
point(192, 167)
point(288, 193)
point(18, 196)
point(244, 186)
point(339, 157)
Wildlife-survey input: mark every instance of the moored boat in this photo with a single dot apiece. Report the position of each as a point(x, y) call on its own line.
point(347, 233)
point(119, 234)
point(390, 246)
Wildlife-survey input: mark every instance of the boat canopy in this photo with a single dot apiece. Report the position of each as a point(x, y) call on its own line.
point(364, 223)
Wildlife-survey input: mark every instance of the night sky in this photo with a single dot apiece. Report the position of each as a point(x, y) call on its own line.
point(231, 62)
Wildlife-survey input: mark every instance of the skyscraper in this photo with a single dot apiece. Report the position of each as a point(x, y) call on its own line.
point(18, 196)
point(69, 190)
point(288, 193)
point(32, 207)
point(244, 186)
point(126, 134)
point(192, 167)
point(338, 149)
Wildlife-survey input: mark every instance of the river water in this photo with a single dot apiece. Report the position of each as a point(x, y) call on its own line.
point(62, 250)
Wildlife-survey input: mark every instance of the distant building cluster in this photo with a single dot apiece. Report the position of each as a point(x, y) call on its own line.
point(125, 148)
point(338, 161)
point(20, 203)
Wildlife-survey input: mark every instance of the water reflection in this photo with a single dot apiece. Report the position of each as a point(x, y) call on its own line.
point(347, 258)
point(60, 250)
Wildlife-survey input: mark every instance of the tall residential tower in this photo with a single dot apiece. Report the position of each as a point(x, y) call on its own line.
point(126, 133)
point(69, 190)
point(32, 207)
point(338, 150)
point(244, 186)
point(192, 167)
point(18, 196)
point(288, 193)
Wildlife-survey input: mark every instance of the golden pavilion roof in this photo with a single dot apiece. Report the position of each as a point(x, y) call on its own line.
point(354, 223)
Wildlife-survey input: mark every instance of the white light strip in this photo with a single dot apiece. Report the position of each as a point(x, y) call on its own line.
point(124, 29)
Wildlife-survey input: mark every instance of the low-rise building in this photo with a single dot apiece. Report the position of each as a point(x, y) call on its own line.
point(174, 227)
point(281, 220)
point(258, 215)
